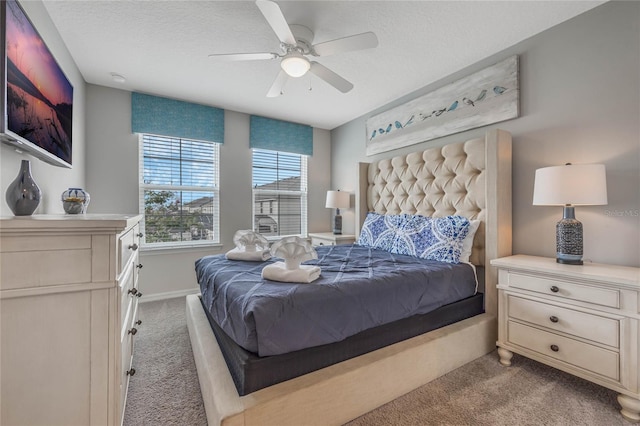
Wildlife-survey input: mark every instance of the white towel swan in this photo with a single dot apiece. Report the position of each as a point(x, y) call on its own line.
point(294, 251)
point(250, 246)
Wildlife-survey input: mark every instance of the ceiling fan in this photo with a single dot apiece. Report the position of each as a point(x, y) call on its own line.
point(296, 45)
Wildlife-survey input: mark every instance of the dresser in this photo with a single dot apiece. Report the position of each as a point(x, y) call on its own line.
point(68, 317)
point(331, 239)
point(584, 320)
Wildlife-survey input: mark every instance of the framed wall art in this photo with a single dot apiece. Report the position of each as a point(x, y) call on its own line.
point(488, 96)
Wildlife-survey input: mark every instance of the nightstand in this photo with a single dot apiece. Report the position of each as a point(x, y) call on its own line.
point(331, 239)
point(584, 320)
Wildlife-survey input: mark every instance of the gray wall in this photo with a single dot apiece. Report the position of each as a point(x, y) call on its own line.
point(112, 181)
point(580, 103)
point(52, 180)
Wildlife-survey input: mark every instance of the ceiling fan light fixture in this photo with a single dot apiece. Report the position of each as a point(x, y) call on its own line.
point(295, 65)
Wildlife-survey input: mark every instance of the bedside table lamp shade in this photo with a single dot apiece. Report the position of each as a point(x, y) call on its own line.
point(337, 200)
point(569, 186)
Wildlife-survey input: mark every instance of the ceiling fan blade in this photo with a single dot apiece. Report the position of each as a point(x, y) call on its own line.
point(242, 56)
point(278, 85)
point(346, 44)
point(330, 77)
point(275, 18)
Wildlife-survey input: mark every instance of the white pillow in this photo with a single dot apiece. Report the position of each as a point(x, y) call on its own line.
point(467, 243)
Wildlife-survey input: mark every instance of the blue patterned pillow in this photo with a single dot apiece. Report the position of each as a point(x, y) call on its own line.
point(380, 231)
point(438, 238)
point(430, 238)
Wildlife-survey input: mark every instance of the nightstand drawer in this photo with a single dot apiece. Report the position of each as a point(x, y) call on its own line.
point(566, 290)
point(322, 242)
point(588, 357)
point(329, 239)
point(587, 326)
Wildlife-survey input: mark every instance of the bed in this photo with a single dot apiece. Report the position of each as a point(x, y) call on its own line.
point(472, 179)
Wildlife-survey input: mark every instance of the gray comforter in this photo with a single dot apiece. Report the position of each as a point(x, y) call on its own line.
point(359, 288)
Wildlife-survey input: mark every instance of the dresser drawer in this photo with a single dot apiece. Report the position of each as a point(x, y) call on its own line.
point(587, 326)
point(128, 245)
point(587, 357)
point(566, 290)
point(128, 293)
point(128, 335)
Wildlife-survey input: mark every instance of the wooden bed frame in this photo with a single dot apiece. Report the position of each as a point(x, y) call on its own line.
point(341, 392)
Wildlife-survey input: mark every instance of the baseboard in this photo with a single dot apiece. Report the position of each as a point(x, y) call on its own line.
point(168, 295)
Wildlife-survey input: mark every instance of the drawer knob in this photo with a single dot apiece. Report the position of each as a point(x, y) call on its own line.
point(554, 289)
point(555, 348)
point(133, 331)
point(133, 291)
point(138, 294)
point(553, 318)
point(139, 266)
point(321, 244)
point(133, 247)
point(131, 371)
point(139, 235)
point(138, 322)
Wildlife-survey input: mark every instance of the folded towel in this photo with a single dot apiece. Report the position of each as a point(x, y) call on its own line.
point(248, 240)
point(294, 251)
point(252, 256)
point(278, 272)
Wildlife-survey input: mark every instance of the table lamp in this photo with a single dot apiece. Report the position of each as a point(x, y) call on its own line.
point(568, 186)
point(337, 200)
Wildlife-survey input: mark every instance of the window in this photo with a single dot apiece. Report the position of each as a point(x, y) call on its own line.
point(179, 191)
point(279, 188)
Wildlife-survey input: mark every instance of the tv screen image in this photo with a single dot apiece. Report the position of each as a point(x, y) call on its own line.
point(38, 96)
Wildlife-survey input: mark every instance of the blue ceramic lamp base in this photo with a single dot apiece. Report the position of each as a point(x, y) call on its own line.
point(337, 223)
point(569, 238)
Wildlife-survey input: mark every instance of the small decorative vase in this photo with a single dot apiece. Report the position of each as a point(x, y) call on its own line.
point(75, 200)
point(23, 195)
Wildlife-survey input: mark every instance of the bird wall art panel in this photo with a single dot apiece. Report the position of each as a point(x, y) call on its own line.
point(488, 96)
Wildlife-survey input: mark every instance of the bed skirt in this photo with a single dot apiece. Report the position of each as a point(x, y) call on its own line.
point(251, 372)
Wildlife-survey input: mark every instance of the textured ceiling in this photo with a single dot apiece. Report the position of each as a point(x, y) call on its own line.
point(162, 48)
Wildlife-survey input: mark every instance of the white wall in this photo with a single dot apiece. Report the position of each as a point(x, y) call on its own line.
point(112, 181)
point(580, 103)
point(52, 180)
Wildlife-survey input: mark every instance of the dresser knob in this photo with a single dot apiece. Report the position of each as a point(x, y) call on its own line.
point(555, 348)
point(133, 247)
point(554, 289)
point(138, 294)
point(133, 331)
point(138, 322)
point(139, 235)
point(139, 266)
point(131, 371)
point(553, 319)
point(133, 291)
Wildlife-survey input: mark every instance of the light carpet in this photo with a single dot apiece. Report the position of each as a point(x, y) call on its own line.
point(165, 389)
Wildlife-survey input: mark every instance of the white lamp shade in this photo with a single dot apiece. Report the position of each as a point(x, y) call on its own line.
point(295, 65)
point(337, 200)
point(572, 184)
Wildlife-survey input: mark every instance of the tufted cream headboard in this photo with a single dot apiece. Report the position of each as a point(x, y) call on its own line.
point(471, 178)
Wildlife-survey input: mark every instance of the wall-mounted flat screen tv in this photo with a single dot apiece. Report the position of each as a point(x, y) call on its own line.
point(37, 97)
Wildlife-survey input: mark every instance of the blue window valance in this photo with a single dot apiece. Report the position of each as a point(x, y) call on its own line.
point(169, 117)
point(276, 135)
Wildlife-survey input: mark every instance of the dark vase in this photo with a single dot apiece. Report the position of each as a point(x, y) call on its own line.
point(23, 195)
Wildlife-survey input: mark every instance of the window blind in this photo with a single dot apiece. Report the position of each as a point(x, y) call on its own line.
point(170, 117)
point(282, 136)
point(279, 193)
point(179, 191)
